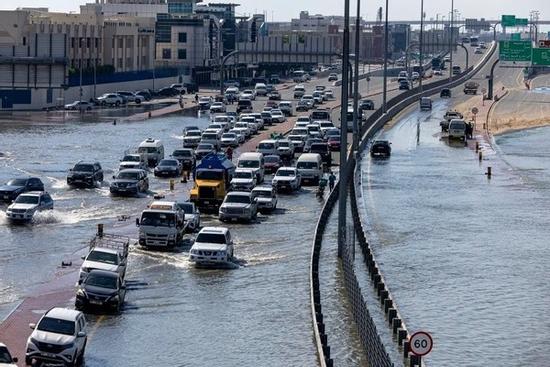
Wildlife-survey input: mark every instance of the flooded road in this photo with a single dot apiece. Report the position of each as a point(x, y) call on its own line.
point(175, 315)
point(466, 258)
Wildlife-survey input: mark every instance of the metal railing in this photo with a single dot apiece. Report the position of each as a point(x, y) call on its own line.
point(370, 339)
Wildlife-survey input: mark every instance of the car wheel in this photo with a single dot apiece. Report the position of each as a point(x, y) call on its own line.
point(28, 361)
point(117, 103)
point(138, 101)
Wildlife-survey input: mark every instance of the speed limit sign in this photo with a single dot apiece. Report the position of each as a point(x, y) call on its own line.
point(421, 343)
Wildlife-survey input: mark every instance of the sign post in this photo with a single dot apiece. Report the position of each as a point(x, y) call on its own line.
point(515, 53)
point(421, 344)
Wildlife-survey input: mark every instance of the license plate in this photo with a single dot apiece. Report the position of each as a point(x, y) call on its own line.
point(206, 202)
point(6, 197)
point(121, 189)
point(95, 302)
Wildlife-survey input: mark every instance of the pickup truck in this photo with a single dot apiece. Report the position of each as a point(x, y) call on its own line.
point(106, 252)
point(449, 115)
point(471, 88)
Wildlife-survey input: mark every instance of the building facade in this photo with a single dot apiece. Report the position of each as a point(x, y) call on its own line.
point(137, 8)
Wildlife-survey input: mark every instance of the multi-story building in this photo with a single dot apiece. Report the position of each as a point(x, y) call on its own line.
point(137, 8)
point(225, 13)
point(182, 7)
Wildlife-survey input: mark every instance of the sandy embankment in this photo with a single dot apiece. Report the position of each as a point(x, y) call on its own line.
point(518, 109)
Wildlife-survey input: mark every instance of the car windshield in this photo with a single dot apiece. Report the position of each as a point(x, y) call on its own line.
point(266, 146)
point(147, 150)
point(168, 162)
point(306, 165)
point(334, 138)
point(103, 257)
point(249, 164)
point(83, 168)
point(128, 176)
point(242, 199)
point(182, 153)
point(211, 238)
point(210, 136)
point(57, 326)
point(193, 133)
point(17, 182)
point(205, 147)
point(27, 199)
point(131, 158)
point(285, 173)
point(262, 193)
point(156, 219)
point(186, 207)
point(5, 356)
point(101, 281)
point(242, 174)
point(229, 136)
point(271, 159)
point(457, 125)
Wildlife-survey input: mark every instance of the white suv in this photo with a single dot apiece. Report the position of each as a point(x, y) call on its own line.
point(27, 204)
point(59, 337)
point(213, 245)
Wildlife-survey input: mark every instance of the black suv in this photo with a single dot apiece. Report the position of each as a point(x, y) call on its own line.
point(323, 150)
point(366, 104)
point(380, 149)
point(85, 174)
point(13, 188)
point(102, 289)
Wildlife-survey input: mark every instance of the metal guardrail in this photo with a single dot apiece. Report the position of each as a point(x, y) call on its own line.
point(373, 346)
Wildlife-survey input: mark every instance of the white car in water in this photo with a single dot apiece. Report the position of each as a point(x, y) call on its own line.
point(212, 246)
point(27, 204)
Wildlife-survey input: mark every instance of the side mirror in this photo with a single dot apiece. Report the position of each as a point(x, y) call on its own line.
point(114, 177)
point(137, 222)
point(81, 334)
point(32, 326)
point(123, 287)
point(83, 257)
point(15, 359)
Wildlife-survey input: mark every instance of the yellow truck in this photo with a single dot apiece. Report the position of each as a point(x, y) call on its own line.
point(212, 177)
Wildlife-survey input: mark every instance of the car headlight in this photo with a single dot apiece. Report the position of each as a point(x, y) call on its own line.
point(34, 341)
point(80, 293)
point(114, 298)
point(222, 209)
point(222, 253)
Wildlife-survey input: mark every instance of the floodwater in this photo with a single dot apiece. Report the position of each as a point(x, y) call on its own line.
point(466, 258)
point(175, 315)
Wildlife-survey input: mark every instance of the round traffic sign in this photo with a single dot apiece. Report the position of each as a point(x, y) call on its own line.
point(421, 343)
point(475, 110)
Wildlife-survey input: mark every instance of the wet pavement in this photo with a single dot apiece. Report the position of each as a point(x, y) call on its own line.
point(464, 257)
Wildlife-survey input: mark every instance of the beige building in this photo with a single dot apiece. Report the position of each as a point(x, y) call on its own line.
point(129, 43)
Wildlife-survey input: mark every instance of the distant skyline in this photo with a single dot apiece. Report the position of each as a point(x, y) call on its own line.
point(284, 10)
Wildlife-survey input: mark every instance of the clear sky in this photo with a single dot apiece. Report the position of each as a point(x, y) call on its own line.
point(399, 9)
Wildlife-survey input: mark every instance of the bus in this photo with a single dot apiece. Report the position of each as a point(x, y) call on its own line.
point(474, 41)
point(300, 76)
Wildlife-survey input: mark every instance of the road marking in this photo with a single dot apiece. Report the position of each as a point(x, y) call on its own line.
point(94, 328)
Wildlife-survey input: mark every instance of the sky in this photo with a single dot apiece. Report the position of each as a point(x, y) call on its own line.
point(284, 10)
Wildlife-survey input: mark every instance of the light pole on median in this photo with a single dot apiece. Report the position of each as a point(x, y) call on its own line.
point(356, 120)
point(451, 36)
point(343, 187)
point(421, 45)
point(224, 60)
point(385, 87)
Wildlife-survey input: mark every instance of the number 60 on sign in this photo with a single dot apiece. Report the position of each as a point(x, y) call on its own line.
point(421, 343)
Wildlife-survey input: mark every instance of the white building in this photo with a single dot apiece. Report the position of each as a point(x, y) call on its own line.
point(137, 8)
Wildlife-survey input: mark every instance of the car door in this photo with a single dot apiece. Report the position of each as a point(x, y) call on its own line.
point(122, 290)
point(34, 184)
point(81, 327)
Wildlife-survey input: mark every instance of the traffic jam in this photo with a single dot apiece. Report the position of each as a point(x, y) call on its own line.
point(256, 147)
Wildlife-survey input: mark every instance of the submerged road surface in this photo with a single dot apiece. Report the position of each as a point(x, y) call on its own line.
point(466, 258)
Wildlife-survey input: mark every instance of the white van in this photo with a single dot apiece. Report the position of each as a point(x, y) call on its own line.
point(310, 167)
point(260, 89)
point(299, 91)
point(213, 138)
point(254, 161)
point(152, 150)
point(268, 147)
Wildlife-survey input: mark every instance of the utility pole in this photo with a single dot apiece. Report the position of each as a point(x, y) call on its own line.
point(356, 117)
point(451, 43)
point(343, 186)
point(385, 86)
point(421, 45)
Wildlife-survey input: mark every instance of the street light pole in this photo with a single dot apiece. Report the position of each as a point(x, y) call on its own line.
point(343, 187)
point(356, 119)
point(451, 43)
point(385, 87)
point(421, 45)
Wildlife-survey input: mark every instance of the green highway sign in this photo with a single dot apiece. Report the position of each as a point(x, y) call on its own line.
point(541, 57)
point(515, 53)
point(515, 36)
point(522, 22)
point(508, 21)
